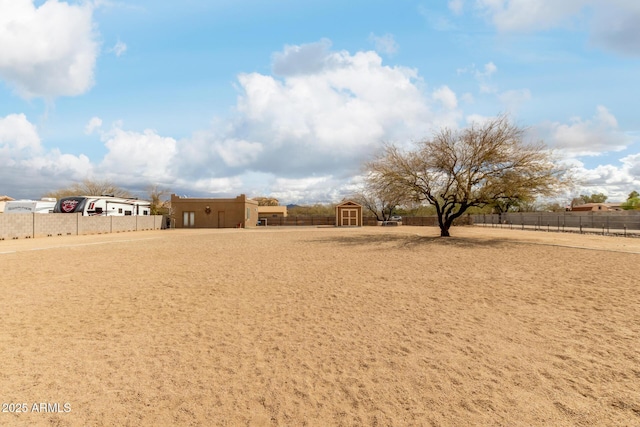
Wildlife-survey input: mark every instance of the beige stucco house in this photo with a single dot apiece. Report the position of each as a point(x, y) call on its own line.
point(188, 212)
point(3, 200)
point(598, 207)
point(268, 212)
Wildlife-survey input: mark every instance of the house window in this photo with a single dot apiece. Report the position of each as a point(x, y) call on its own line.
point(188, 219)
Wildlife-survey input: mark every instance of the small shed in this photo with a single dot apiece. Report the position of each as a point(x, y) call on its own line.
point(349, 214)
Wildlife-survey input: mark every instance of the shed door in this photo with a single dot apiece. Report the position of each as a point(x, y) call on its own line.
point(220, 219)
point(349, 217)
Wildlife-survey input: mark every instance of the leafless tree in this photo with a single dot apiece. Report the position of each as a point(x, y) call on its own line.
point(380, 197)
point(90, 187)
point(160, 205)
point(476, 166)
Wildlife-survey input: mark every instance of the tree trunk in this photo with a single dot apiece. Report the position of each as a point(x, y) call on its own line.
point(445, 225)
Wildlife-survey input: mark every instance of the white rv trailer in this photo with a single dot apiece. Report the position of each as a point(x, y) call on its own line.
point(42, 206)
point(102, 206)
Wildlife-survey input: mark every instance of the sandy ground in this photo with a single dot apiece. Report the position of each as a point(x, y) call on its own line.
point(322, 327)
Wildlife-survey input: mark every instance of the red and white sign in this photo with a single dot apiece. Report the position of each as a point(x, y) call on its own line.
point(68, 206)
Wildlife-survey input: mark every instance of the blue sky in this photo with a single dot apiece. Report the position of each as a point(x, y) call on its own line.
point(288, 98)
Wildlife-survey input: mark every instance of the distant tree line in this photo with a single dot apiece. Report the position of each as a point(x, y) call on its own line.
point(317, 209)
point(633, 201)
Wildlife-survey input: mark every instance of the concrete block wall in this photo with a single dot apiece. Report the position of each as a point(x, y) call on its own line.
point(16, 226)
point(149, 222)
point(598, 220)
point(128, 223)
point(48, 225)
point(94, 224)
point(21, 226)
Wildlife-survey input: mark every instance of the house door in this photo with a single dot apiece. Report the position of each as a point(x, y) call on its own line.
point(188, 219)
point(349, 217)
point(220, 219)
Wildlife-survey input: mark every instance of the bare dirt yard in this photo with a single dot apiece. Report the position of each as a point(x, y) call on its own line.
point(374, 326)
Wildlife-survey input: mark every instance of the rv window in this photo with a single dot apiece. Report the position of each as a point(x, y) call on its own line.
point(119, 210)
point(127, 212)
point(98, 210)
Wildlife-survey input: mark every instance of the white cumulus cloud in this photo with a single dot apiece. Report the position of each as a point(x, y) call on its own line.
point(331, 115)
point(27, 167)
point(613, 180)
point(615, 26)
point(446, 96)
point(525, 15)
point(586, 137)
point(384, 44)
point(140, 156)
point(18, 138)
point(238, 153)
point(94, 124)
point(47, 51)
point(612, 23)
